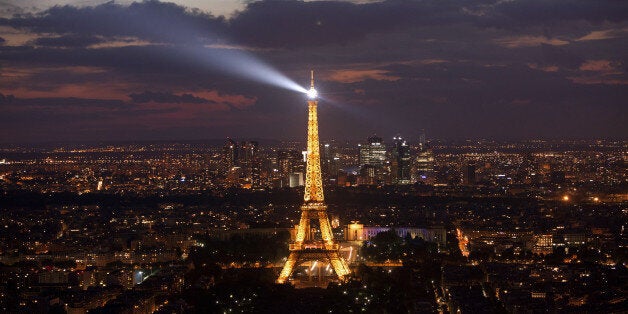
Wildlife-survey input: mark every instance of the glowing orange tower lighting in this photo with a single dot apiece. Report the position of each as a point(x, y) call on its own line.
point(305, 247)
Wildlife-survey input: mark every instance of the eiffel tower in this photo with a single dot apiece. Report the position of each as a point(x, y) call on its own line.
point(305, 247)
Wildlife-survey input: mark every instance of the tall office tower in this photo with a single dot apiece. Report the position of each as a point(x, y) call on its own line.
point(289, 162)
point(400, 162)
point(422, 140)
point(424, 167)
point(373, 156)
point(248, 151)
point(373, 153)
point(249, 161)
point(230, 154)
point(368, 175)
point(306, 247)
point(284, 163)
point(252, 163)
point(247, 156)
point(468, 174)
point(328, 162)
point(424, 162)
point(255, 173)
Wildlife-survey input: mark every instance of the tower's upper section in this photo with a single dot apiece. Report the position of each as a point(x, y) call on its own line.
point(313, 180)
point(312, 93)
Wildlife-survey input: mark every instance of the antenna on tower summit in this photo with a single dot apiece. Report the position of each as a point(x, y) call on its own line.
point(312, 93)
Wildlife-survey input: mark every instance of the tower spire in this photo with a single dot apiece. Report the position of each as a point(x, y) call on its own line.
point(313, 178)
point(311, 78)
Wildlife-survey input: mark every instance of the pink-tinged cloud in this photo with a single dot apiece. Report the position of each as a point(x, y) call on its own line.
point(111, 90)
point(73, 81)
point(433, 61)
point(603, 66)
point(352, 76)
point(547, 68)
point(586, 80)
point(529, 41)
point(236, 101)
point(121, 42)
point(604, 34)
point(599, 72)
point(16, 37)
point(159, 115)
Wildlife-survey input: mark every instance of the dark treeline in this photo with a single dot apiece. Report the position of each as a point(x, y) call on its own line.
point(235, 197)
point(241, 249)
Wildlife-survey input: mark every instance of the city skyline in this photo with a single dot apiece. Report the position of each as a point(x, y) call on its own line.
point(451, 156)
point(151, 70)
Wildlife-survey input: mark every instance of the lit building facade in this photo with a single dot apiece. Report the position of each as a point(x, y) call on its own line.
point(373, 153)
point(400, 161)
point(424, 163)
point(373, 162)
point(230, 154)
point(359, 232)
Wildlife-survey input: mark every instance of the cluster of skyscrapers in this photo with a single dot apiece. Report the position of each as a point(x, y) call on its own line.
point(380, 165)
point(243, 163)
point(374, 162)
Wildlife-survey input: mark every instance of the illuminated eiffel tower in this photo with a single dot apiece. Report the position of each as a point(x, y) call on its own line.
point(305, 247)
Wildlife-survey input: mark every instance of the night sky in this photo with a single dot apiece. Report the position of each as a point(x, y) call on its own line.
point(506, 69)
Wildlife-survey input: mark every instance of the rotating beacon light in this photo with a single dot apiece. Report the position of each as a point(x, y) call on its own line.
point(312, 93)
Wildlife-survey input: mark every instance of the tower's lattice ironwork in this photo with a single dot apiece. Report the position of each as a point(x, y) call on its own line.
point(305, 247)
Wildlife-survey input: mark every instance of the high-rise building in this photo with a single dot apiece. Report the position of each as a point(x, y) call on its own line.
point(400, 161)
point(248, 151)
point(255, 173)
point(368, 175)
point(373, 153)
point(245, 158)
point(422, 140)
point(289, 162)
point(284, 162)
point(230, 154)
point(424, 167)
point(328, 162)
point(373, 156)
point(424, 162)
point(248, 158)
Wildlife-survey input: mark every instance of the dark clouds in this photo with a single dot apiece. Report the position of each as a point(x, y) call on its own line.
point(163, 97)
point(73, 118)
point(58, 103)
point(523, 68)
point(549, 12)
point(68, 41)
point(4, 100)
point(151, 20)
point(299, 24)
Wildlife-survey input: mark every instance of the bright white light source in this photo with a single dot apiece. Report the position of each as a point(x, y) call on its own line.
point(312, 93)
